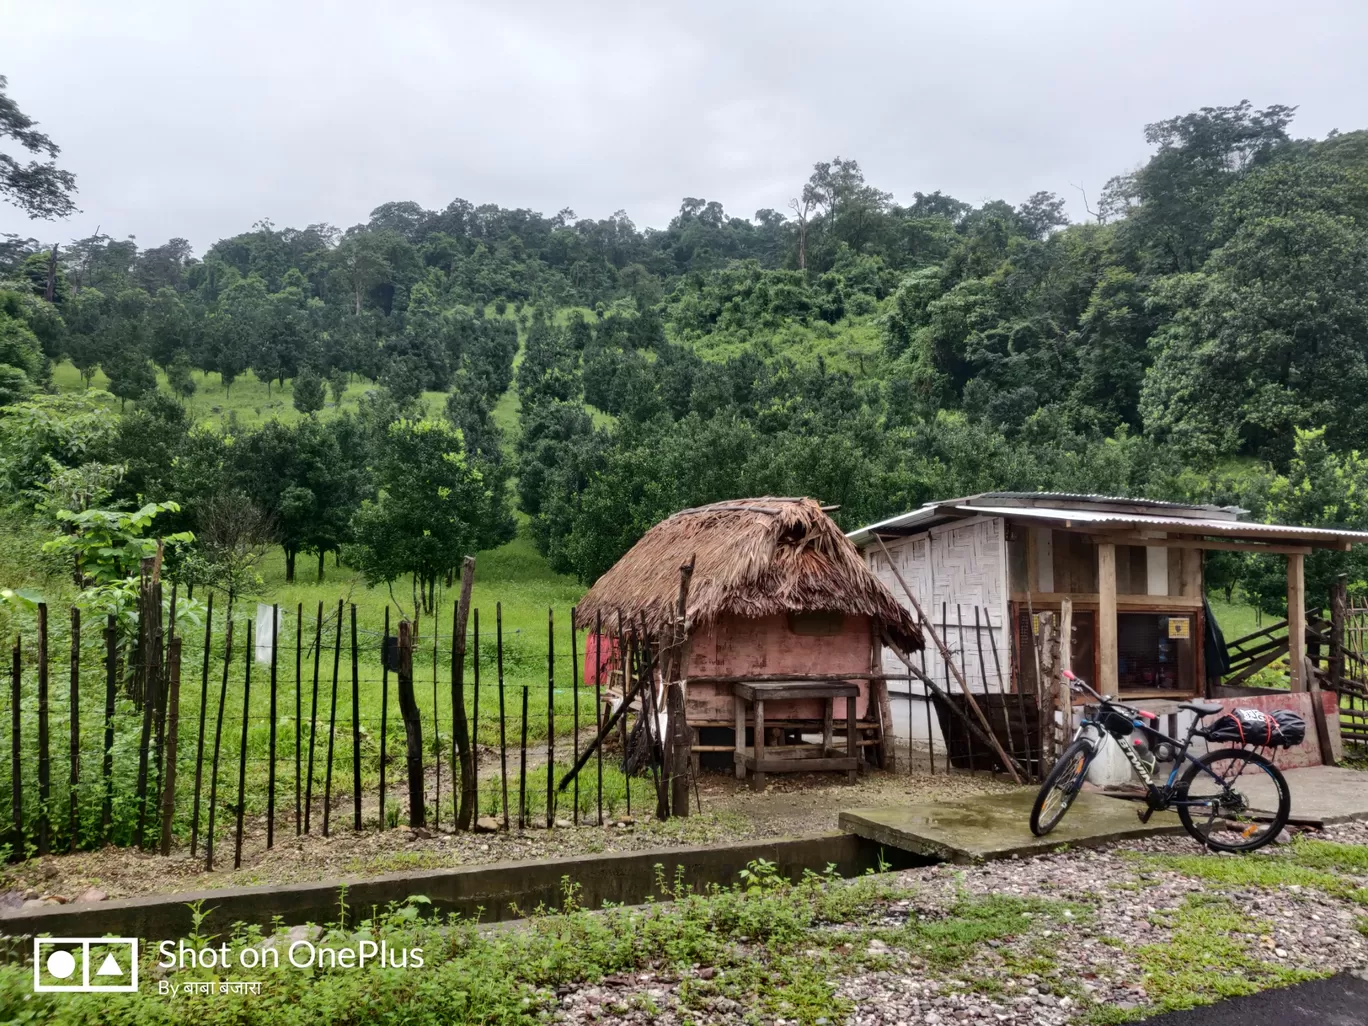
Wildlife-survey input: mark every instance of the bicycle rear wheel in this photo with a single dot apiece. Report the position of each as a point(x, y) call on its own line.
point(1233, 799)
point(1061, 787)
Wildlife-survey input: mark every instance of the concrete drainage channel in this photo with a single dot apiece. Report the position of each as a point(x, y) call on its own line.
point(488, 891)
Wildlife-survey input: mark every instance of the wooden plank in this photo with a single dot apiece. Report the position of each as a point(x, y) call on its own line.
point(1092, 600)
point(1106, 620)
point(783, 678)
point(780, 692)
point(1296, 621)
point(1129, 538)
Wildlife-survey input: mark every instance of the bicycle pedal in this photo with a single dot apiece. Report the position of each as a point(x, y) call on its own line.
point(1144, 815)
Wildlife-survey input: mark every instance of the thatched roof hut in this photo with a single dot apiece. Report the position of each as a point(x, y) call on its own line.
point(752, 558)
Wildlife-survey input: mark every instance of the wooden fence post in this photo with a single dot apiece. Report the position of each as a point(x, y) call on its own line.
point(74, 782)
point(503, 731)
point(332, 723)
point(242, 753)
point(16, 752)
point(173, 660)
point(550, 718)
point(299, 716)
point(271, 746)
point(199, 734)
point(356, 726)
point(459, 730)
point(218, 737)
point(413, 726)
point(384, 713)
point(44, 763)
point(111, 688)
point(313, 718)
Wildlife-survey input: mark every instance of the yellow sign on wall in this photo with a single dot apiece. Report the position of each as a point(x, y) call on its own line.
point(1180, 627)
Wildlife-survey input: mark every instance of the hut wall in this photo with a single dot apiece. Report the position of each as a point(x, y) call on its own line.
point(953, 569)
point(737, 645)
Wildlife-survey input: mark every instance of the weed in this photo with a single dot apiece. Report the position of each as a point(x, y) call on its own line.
point(974, 920)
point(1207, 957)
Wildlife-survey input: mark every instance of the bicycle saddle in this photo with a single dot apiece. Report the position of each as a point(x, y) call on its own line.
point(1202, 708)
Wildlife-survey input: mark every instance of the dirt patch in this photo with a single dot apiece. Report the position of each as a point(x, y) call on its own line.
point(796, 805)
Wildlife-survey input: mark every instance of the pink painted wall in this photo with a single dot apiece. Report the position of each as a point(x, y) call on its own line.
point(766, 645)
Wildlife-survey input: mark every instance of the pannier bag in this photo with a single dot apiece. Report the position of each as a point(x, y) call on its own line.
point(1280, 729)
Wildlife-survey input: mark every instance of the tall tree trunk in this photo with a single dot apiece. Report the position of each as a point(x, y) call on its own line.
point(321, 554)
point(289, 566)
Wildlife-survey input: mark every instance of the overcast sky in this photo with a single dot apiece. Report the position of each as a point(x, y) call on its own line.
point(195, 120)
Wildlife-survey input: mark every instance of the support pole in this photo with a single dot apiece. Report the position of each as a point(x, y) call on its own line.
point(413, 726)
point(1107, 658)
point(1296, 622)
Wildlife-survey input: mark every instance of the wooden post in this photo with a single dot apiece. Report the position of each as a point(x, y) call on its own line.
point(199, 740)
point(1296, 622)
point(16, 753)
point(384, 714)
point(111, 687)
point(313, 717)
point(173, 661)
point(550, 718)
point(1065, 663)
point(1338, 602)
point(522, 766)
point(678, 748)
point(474, 718)
point(356, 726)
point(299, 716)
point(598, 704)
point(75, 780)
point(271, 745)
point(574, 702)
point(218, 737)
point(1047, 643)
point(413, 726)
point(460, 733)
point(1007, 760)
point(1107, 658)
point(503, 723)
point(44, 763)
point(332, 723)
point(242, 753)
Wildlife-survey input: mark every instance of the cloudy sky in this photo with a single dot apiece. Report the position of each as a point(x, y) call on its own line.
point(196, 120)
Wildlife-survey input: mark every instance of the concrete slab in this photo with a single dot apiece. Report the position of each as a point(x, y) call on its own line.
point(997, 826)
point(1320, 794)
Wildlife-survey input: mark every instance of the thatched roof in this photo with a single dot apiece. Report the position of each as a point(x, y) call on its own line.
point(752, 558)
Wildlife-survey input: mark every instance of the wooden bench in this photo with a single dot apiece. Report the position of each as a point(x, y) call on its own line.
point(799, 758)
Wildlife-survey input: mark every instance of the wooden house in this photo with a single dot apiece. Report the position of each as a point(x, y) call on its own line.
point(782, 629)
point(985, 566)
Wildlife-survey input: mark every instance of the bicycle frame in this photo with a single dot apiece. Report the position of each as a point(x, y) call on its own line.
point(1156, 797)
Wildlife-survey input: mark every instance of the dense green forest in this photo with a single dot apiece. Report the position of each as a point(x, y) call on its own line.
point(1203, 336)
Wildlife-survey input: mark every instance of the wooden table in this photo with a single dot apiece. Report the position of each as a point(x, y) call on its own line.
point(803, 758)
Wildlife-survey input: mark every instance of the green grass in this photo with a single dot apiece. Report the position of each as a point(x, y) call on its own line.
point(1323, 865)
point(1207, 957)
point(972, 921)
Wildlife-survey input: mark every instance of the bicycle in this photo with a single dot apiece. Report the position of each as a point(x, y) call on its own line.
point(1207, 797)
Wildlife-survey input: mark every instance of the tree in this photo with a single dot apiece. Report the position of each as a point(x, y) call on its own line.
point(309, 393)
point(180, 375)
point(39, 188)
point(433, 508)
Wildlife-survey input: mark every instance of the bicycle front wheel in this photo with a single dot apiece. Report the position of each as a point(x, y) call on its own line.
point(1061, 787)
point(1233, 799)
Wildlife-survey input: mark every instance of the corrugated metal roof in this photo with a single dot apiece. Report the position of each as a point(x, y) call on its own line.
point(932, 513)
point(1087, 497)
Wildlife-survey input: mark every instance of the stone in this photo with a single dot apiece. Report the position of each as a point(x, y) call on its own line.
point(487, 825)
point(92, 894)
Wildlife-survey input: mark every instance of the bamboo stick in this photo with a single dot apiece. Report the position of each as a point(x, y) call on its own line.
point(218, 738)
point(242, 752)
point(199, 737)
point(313, 716)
